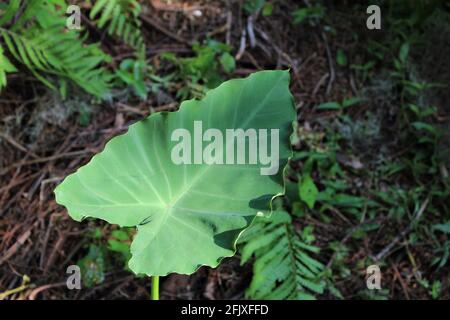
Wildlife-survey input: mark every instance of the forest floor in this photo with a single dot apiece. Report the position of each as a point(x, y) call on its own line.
point(353, 90)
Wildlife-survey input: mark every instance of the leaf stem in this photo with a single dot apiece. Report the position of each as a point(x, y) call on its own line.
point(155, 287)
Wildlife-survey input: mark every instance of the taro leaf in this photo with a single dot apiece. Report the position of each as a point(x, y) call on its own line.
point(186, 215)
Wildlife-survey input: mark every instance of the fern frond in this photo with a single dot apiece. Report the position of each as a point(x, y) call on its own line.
point(283, 267)
point(5, 66)
point(9, 11)
point(122, 19)
point(48, 49)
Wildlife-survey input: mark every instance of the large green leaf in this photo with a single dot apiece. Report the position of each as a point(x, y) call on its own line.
point(186, 215)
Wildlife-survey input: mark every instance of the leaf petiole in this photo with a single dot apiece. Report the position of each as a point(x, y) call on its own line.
point(155, 287)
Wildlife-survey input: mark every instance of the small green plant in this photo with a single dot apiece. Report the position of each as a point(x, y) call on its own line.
point(314, 12)
point(105, 249)
point(442, 252)
point(332, 105)
point(341, 58)
point(203, 71)
point(252, 6)
point(434, 290)
point(186, 215)
point(132, 72)
point(92, 266)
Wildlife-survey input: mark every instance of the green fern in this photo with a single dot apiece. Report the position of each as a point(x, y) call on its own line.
point(5, 66)
point(54, 55)
point(122, 19)
point(283, 268)
point(8, 11)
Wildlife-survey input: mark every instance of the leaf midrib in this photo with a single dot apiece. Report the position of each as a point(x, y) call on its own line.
point(173, 204)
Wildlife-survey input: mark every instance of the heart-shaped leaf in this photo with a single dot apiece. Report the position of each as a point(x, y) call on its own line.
point(187, 215)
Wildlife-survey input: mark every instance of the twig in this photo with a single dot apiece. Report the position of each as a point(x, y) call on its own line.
point(16, 144)
point(347, 237)
point(13, 249)
point(125, 107)
point(46, 159)
point(402, 234)
point(21, 288)
point(281, 54)
point(320, 83)
point(166, 107)
point(251, 33)
point(53, 254)
point(155, 24)
point(402, 282)
point(229, 24)
point(242, 45)
point(36, 291)
point(330, 64)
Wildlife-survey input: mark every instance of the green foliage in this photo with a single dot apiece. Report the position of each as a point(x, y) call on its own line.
point(341, 58)
point(309, 13)
point(203, 71)
point(334, 192)
point(442, 250)
point(283, 266)
point(92, 266)
point(442, 254)
point(8, 10)
point(375, 169)
point(119, 242)
point(183, 212)
point(251, 6)
point(443, 227)
point(131, 72)
point(435, 290)
point(308, 191)
point(39, 40)
point(227, 62)
point(105, 250)
point(121, 17)
point(413, 13)
point(5, 66)
point(267, 9)
point(332, 105)
point(367, 294)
